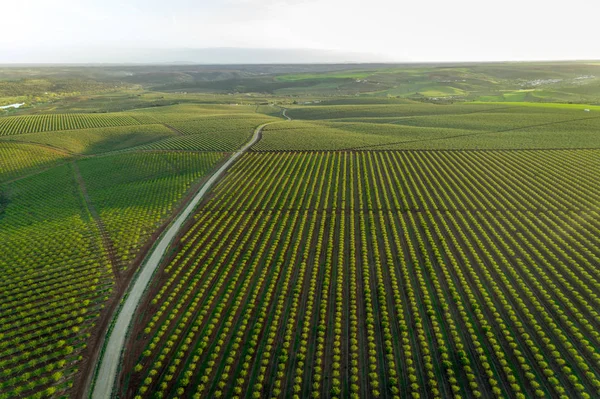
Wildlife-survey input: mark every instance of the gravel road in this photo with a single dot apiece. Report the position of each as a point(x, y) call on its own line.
point(110, 359)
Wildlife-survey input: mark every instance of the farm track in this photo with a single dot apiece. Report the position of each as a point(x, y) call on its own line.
point(174, 130)
point(106, 240)
point(58, 150)
point(110, 358)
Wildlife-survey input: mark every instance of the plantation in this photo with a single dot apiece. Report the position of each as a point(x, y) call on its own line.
point(134, 193)
point(396, 238)
point(55, 278)
point(318, 112)
point(301, 135)
point(211, 133)
point(74, 227)
point(45, 123)
point(383, 274)
point(93, 141)
point(440, 127)
point(184, 112)
point(17, 159)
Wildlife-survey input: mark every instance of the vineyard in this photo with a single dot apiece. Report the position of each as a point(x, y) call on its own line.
point(381, 274)
point(99, 140)
point(326, 136)
point(211, 134)
point(45, 123)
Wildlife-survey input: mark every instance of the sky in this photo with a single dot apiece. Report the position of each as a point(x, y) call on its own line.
point(393, 30)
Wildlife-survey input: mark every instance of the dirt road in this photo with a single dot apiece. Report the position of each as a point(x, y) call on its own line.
point(110, 359)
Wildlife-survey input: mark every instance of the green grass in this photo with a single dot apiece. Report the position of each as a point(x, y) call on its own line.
point(443, 91)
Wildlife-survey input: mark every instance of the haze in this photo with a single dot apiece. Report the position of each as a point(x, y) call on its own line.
point(352, 30)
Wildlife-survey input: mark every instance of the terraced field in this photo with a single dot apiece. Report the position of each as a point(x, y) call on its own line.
point(382, 274)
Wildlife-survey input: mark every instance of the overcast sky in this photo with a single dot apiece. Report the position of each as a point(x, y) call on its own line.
point(400, 30)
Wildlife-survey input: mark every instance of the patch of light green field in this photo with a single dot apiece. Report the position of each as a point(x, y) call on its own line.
point(299, 135)
point(93, 141)
point(182, 112)
point(18, 159)
point(443, 91)
point(322, 76)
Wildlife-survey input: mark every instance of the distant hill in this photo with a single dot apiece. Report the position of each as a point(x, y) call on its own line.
point(224, 55)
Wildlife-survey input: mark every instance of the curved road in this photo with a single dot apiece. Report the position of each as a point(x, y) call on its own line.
point(285, 114)
point(110, 359)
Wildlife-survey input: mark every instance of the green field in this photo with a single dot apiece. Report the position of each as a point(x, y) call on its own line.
point(429, 274)
point(77, 209)
point(98, 140)
point(19, 159)
point(424, 231)
point(435, 127)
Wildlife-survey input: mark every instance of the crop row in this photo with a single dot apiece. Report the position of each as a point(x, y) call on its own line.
point(135, 193)
point(55, 277)
point(51, 122)
point(16, 159)
point(55, 263)
point(386, 274)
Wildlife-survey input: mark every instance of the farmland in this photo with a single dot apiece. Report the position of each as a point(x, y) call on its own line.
point(81, 202)
point(419, 237)
point(434, 127)
point(381, 274)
